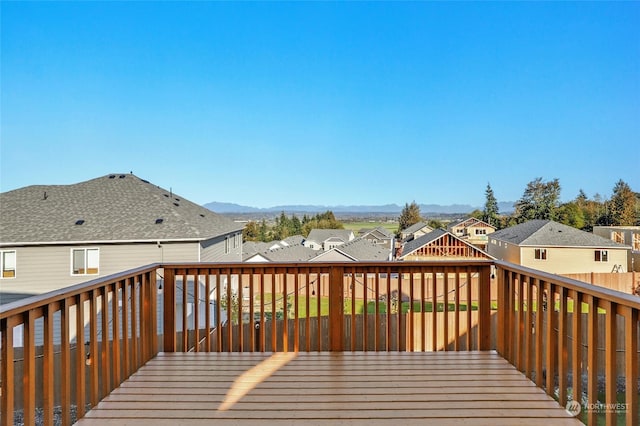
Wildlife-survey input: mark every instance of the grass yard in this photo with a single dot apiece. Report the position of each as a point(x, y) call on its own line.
point(356, 226)
point(359, 306)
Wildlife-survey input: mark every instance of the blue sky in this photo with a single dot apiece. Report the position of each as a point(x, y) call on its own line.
point(323, 103)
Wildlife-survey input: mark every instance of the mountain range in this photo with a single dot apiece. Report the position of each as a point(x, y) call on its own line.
point(224, 208)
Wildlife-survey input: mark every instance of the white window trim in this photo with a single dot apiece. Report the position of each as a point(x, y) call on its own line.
point(603, 254)
point(85, 249)
point(2, 266)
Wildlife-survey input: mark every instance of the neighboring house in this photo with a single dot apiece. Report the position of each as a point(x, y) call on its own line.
point(440, 244)
point(379, 237)
point(326, 239)
point(294, 253)
point(473, 230)
point(53, 236)
point(251, 248)
point(357, 250)
point(415, 231)
point(556, 248)
point(627, 235)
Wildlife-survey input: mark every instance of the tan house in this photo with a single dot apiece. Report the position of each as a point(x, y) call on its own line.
point(627, 235)
point(440, 244)
point(556, 248)
point(53, 236)
point(378, 236)
point(473, 230)
point(327, 239)
point(416, 230)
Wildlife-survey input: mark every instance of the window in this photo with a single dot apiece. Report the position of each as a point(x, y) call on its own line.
point(601, 256)
point(85, 261)
point(235, 241)
point(540, 254)
point(8, 264)
point(482, 231)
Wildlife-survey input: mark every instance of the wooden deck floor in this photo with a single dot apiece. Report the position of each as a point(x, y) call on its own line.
point(442, 388)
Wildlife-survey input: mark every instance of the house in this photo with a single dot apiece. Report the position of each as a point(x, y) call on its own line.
point(627, 235)
point(379, 236)
point(293, 253)
point(250, 248)
point(556, 248)
point(440, 244)
point(415, 231)
point(357, 250)
point(473, 230)
point(53, 236)
point(326, 239)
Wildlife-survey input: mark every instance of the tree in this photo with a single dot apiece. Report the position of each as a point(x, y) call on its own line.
point(539, 201)
point(491, 211)
point(251, 232)
point(571, 214)
point(410, 215)
point(326, 220)
point(622, 205)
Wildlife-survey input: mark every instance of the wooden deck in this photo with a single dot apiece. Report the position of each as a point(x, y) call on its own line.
point(433, 388)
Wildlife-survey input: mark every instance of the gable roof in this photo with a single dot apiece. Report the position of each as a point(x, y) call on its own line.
point(550, 233)
point(295, 253)
point(359, 249)
point(415, 227)
point(111, 208)
point(469, 222)
point(413, 245)
point(379, 232)
point(321, 235)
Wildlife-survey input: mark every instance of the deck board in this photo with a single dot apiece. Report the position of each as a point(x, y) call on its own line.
point(443, 388)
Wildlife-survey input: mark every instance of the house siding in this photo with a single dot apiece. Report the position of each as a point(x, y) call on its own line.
point(573, 260)
point(504, 251)
point(41, 269)
point(213, 250)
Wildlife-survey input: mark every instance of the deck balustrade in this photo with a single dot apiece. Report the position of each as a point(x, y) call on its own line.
point(72, 347)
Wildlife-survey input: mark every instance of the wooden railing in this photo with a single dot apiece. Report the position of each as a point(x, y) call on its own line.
point(70, 348)
point(365, 306)
point(558, 331)
point(75, 345)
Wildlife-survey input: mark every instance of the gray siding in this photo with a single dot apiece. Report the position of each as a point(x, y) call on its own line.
point(213, 250)
point(42, 269)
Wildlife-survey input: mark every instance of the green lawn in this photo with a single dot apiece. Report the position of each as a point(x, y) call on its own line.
point(359, 306)
point(356, 226)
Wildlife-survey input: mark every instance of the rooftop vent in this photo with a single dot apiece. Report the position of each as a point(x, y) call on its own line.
point(176, 204)
point(144, 180)
point(79, 221)
point(177, 199)
point(201, 215)
point(159, 221)
point(112, 176)
point(121, 176)
point(166, 195)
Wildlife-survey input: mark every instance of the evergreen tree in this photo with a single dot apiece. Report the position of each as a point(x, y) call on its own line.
point(622, 205)
point(571, 214)
point(263, 231)
point(490, 213)
point(410, 215)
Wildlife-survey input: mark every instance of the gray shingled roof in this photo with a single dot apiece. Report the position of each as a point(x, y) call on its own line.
point(550, 233)
point(363, 250)
point(117, 207)
point(296, 253)
point(321, 235)
point(294, 240)
point(415, 227)
point(382, 232)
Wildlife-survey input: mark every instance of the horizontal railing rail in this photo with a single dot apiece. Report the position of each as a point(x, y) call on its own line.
point(557, 330)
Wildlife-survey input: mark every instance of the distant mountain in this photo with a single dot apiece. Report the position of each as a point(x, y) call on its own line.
point(224, 208)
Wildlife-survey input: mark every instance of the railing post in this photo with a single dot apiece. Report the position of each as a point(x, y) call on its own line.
point(484, 309)
point(502, 311)
point(169, 320)
point(336, 308)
